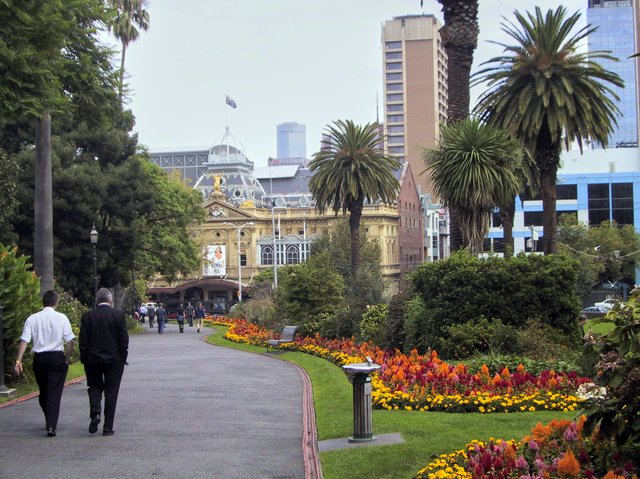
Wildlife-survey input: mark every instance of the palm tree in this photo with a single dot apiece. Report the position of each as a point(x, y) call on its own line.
point(545, 91)
point(472, 170)
point(129, 14)
point(460, 38)
point(351, 170)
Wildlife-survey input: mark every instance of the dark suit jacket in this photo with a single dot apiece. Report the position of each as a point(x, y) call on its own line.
point(103, 336)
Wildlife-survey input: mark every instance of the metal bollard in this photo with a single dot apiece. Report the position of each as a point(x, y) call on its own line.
point(359, 375)
point(4, 390)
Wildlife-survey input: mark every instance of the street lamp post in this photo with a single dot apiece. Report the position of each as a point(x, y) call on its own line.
point(94, 242)
point(239, 230)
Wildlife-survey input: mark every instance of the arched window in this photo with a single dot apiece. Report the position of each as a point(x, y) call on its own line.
point(293, 254)
point(266, 254)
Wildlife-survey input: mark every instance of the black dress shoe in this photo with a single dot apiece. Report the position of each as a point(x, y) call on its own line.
point(93, 425)
point(51, 432)
point(107, 432)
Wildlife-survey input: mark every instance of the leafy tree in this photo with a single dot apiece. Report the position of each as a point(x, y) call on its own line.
point(9, 187)
point(606, 253)
point(460, 38)
point(473, 171)
point(130, 15)
point(545, 91)
point(352, 170)
point(309, 294)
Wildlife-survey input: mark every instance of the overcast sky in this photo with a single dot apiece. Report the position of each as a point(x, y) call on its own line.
point(309, 61)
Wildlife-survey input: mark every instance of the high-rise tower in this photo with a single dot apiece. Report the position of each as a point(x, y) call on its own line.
point(615, 22)
point(292, 141)
point(415, 89)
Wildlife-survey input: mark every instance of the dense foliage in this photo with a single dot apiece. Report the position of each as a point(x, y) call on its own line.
point(614, 415)
point(19, 297)
point(489, 292)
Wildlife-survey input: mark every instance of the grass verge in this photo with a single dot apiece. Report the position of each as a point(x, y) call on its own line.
point(426, 435)
point(28, 385)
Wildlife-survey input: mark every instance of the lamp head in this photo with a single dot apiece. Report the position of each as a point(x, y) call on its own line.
point(94, 234)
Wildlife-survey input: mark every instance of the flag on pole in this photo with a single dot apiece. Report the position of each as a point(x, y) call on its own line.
point(231, 103)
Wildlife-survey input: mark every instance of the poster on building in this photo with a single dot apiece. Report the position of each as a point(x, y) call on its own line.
point(214, 261)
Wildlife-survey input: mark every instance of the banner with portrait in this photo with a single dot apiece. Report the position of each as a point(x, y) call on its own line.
point(214, 260)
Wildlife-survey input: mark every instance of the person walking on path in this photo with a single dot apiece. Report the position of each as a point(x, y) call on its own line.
point(48, 329)
point(151, 314)
point(190, 310)
point(104, 347)
point(143, 313)
point(161, 316)
point(180, 317)
point(199, 316)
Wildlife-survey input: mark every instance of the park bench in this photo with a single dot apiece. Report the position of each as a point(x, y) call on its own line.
point(285, 337)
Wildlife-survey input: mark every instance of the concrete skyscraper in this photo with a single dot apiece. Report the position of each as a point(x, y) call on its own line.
point(415, 89)
point(615, 22)
point(292, 141)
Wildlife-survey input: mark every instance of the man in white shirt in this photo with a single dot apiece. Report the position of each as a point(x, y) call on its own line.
point(49, 330)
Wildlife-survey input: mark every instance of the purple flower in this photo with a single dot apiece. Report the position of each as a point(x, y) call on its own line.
point(570, 434)
point(521, 463)
point(533, 445)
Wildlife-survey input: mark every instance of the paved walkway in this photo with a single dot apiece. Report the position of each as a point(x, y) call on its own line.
point(186, 410)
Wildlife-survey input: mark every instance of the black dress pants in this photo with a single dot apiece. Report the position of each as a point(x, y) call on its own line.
point(103, 378)
point(50, 370)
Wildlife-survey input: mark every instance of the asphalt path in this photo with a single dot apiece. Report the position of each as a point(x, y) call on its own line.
point(186, 409)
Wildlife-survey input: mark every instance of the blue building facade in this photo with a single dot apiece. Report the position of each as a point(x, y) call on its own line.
point(615, 33)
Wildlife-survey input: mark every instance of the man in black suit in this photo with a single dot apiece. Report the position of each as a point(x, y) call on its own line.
point(104, 346)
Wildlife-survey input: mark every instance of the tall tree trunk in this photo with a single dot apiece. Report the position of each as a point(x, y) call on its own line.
point(460, 39)
point(43, 206)
point(118, 295)
point(121, 84)
point(547, 157)
point(507, 214)
point(355, 214)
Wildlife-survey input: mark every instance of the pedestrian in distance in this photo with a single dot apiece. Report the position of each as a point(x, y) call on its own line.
point(143, 313)
point(180, 317)
point(190, 311)
point(161, 316)
point(151, 314)
point(200, 313)
point(49, 330)
point(104, 347)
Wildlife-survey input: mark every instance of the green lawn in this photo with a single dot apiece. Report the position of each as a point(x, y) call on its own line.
point(598, 326)
point(426, 435)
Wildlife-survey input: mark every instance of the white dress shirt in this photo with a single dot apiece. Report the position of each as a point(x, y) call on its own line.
point(47, 329)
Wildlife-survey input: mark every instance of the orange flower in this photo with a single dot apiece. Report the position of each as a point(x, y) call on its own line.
point(612, 475)
point(569, 466)
point(510, 454)
point(541, 433)
point(506, 373)
point(520, 369)
point(484, 370)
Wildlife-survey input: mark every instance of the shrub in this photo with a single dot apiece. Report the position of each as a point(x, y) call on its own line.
point(394, 329)
point(74, 310)
point(19, 297)
point(478, 336)
point(414, 318)
point(373, 323)
point(513, 290)
point(615, 417)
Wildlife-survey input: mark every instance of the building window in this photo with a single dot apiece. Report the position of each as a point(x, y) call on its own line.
point(394, 76)
point(292, 254)
point(616, 206)
point(567, 192)
point(394, 86)
point(396, 150)
point(394, 108)
point(622, 202)
point(393, 45)
point(496, 221)
point(395, 129)
point(393, 55)
point(243, 259)
point(395, 118)
point(394, 97)
point(396, 139)
point(533, 218)
point(394, 66)
point(266, 255)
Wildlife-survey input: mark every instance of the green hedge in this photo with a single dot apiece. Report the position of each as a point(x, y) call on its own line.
point(515, 291)
point(19, 297)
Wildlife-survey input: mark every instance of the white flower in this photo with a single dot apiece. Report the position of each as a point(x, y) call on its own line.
point(591, 391)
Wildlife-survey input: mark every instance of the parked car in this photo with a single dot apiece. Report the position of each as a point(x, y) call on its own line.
point(607, 304)
point(592, 312)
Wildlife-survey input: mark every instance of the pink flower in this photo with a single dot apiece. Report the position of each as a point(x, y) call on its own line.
point(521, 463)
point(533, 445)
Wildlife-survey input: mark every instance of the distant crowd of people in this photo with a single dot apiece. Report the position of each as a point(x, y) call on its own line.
point(192, 314)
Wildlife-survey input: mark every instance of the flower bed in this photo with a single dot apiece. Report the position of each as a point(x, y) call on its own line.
point(555, 450)
point(425, 382)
